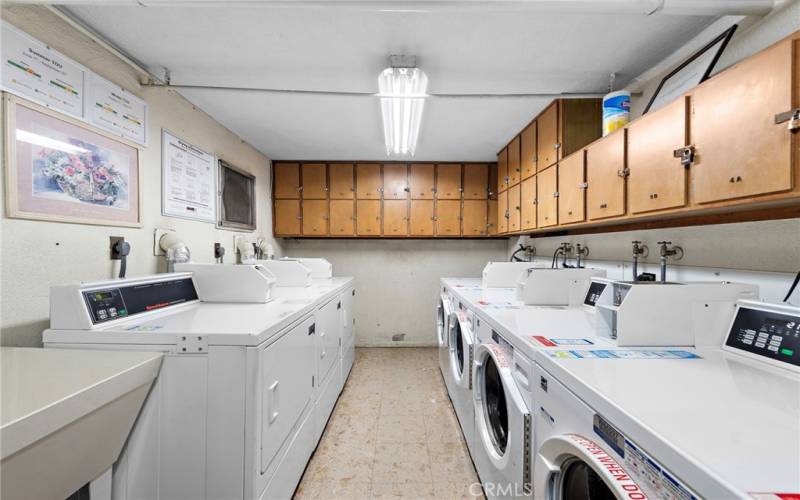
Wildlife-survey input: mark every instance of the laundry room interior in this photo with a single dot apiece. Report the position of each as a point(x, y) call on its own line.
point(439, 249)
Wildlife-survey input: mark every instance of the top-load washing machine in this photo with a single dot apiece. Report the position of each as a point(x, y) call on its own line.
point(462, 341)
point(681, 423)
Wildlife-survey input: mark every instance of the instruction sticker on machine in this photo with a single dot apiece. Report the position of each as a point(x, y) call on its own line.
point(622, 354)
point(551, 342)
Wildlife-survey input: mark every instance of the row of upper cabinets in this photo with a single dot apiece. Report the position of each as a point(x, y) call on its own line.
point(389, 181)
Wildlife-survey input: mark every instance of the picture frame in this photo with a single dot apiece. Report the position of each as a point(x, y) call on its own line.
point(236, 206)
point(59, 169)
point(692, 72)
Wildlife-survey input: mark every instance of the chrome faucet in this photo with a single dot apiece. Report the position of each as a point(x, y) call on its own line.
point(580, 251)
point(566, 249)
point(638, 250)
point(665, 252)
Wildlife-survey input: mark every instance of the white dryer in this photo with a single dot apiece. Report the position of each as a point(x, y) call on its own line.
point(462, 342)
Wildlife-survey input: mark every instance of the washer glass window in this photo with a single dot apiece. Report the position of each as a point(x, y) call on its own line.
point(579, 481)
point(496, 409)
point(459, 351)
point(440, 320)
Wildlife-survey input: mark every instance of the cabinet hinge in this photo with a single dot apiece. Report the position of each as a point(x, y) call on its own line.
point(686, 154)
point(792, 116)
point(625, 172)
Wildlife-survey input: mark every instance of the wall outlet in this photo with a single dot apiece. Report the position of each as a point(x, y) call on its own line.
point(114, 249)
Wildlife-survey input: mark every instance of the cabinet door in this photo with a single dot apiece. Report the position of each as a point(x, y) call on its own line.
point(421, 218)
point(502, 212)
point(342, 184)
point(527, 200)
point(395, 218)
point(342, 218)
point(315, 217)
point(571, 189)
point(547, 206)
point(287, 180)
point(547, 142)
point(474, 219)
point(605, 174)
point(657, 179)
point(740, 150)
point(514, 209)
point(395, 181)
point(514, 169)
point(368, 217)
point(491, 224)
point(315, 182)
point(476, 181)
point(448, 181)
point(493, 181)
point(368, 181)
point(287, 217)
point(421, 181)
point(448, 218)
point(502, 170)
point(528, 151)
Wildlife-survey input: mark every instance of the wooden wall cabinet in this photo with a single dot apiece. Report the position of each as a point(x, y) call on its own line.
point(421, 218)
point(368, 217)
point(287, 217)
point(528, 203)
point(448, 218)
point(286, 180)
point(547, 206)
point(474, 221)
point(476, 181)
point(657, 180)
point(342, 218)
point(502, 170)
point(315, 181)
point(448, 181)
point(572, 189)
point(491, 223)
point(514, 209)
point(342, 181)
point(514, 167)
point(368, 181)
point(502, 212)
point(315, 217)
point(528, 151)
point(547, 143)
point(605, 174)
point(395, 218)
point(395, 181)
point(566, 126)
point(422, 183)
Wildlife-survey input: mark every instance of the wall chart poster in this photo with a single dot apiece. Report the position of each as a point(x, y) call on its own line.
point(33, 70)
point(188, 180)
point(115, 109)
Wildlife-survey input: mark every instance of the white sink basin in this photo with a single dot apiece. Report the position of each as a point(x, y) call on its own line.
point(65, 415)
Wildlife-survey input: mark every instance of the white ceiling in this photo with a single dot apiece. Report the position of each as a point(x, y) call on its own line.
point(476, 51)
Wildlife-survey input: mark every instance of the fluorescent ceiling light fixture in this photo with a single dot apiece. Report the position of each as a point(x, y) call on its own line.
point(402, 93)
point(46, 142)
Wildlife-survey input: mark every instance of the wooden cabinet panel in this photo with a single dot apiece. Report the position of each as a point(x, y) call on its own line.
point(740, 150)
point(502, 170)
point(657, 179)
point(528, 151)
point(421, 218)
point(476, 181)
point(448, 181)
point(514, 209)
point(492, 217)
point(448, 217)
point(287, 180)
point(547, 206)
point(514, 169)
point(502, 212)
point(342, 218)
point(493, 181)
point(315, 217)
point(368, 181)
point(527, 200)
point(605, 174)
point(368, 217)
point(571, 189)
point(287, 217)
point(395, 218)
point(547, 132)
point(421, 181)
point(315, 182)
point(580, 122)
point(395, 181)
point(474, 218)
point(342, 182)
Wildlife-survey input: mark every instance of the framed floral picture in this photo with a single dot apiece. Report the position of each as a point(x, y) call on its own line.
point(60, 169)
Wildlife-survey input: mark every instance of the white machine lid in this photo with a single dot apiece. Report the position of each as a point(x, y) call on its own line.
point(734, 416)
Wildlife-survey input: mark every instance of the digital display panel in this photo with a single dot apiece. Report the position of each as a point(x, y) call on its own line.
point(114, 303)
point(765, 333)
point(594, 292)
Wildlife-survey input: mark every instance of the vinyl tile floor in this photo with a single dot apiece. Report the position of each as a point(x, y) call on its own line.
point(392, 434)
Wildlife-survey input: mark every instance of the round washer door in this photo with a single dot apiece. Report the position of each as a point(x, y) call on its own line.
point(441, 323)
point(460, 350)
point(572, 467)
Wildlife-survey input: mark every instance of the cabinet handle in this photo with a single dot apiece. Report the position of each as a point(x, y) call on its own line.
point(603, 205)
point(406, 189)
point(625, 172)
point(299, 188)
point(556, 194)
point(583, 185)
point(557, 145)
point(736, 179)
point(654, 196)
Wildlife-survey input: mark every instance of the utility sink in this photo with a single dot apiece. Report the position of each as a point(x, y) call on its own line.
point(65, 416)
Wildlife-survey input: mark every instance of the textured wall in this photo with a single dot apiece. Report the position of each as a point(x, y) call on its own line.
point(397, 281)
point(37, 254)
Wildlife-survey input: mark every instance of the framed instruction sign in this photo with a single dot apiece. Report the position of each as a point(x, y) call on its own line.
point(188, 181)
point(113, 108)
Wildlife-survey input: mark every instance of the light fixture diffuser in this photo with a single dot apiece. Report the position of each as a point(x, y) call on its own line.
point(402, 94)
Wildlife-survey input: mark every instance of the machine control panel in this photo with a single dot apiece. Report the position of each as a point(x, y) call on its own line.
point(771, 334)
point(108, 304)
point(593, 294)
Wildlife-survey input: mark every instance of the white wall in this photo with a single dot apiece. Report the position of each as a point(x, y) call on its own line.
point(397, 281)
point(36, 254)
point(765, 245)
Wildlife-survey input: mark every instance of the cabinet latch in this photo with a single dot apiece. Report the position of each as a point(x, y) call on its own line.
point(583, 185)
point(556, 194)
point(792, 116)
point(625, 172)
point(686, 154)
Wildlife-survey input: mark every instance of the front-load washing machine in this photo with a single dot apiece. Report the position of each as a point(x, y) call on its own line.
point(462, 347)
point(502, 423)
point(443, 312)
